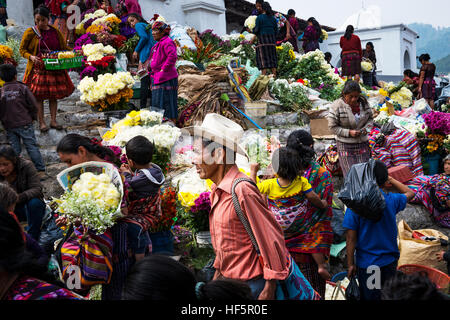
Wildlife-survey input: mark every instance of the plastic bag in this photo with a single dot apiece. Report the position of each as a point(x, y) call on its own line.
point(121, 62)
point(361, 192)
point(352, 292)
point(180, 34)
point(50, 232)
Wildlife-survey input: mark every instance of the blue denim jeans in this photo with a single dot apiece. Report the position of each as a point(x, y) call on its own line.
point(26, 134)
point(33, 211)
point(138, 240)
point(387, 272)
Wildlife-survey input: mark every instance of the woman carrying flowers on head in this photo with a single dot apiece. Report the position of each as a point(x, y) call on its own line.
point(427, 85)
point(163, 72)
point(45, 84)
point(350, 118)
point(311, 36)
point(75, 149)
point(142, 52)
point(351, 54)
point(266, 29)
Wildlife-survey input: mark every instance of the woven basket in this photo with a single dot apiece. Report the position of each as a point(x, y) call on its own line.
point(440, 279)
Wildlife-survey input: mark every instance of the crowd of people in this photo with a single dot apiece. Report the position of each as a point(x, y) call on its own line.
point(271, 236)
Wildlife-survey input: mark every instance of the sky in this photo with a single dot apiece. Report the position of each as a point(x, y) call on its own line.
point(333, 13)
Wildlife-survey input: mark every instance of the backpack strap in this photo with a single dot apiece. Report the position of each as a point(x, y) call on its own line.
point(240, 213)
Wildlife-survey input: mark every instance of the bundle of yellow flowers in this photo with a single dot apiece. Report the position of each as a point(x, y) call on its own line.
point(5, 52)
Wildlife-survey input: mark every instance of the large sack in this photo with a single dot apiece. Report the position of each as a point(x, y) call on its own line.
point(417, 251)
point(190, 84)
point(179, 33)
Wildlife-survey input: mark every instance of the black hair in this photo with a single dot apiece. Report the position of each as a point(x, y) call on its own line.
point(315, 24)
point(416, 286)
point(370, 44)
point(424, 57)
point(328, 55)
point(353, 86)
point(7, 72)
point(72, 142)
point(287, 163)
point(138, 17)
point(8, 196)
point(261, 2)
point(140, 150)
point(159, 277)
point(15, 258)
point(291, 12)
point(267, 8)
point(212, 145)
point(380, 172)
point(7, 152)
point(348, 32)
point(43, 11)
point(302, 142)
point(410, 73)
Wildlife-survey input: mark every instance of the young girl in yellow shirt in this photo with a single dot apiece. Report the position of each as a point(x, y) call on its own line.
point(285, 191)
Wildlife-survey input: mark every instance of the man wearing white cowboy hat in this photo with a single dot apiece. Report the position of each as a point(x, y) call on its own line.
point(216, 145)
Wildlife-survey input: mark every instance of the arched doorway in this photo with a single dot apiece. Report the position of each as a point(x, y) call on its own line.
point(406, 60)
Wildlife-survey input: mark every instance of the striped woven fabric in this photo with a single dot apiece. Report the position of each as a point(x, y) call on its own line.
point(91, 253)
point(399, 148)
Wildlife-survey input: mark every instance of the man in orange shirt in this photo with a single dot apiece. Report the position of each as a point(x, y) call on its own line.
point(216, 148)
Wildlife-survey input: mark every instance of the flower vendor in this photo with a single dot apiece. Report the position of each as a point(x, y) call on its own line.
point(164, 74)
point(266, 30)
point(75, 149)
point(216, 146)
point(434, 193)
point(22, 176)
point(258, 7)
point(312, 35)
point(286, 191)
point(145, 199)
point(427, 85)
point(285, 30)
point(142, 52)
point(22, 277)
point(369, 78)
point(311, 231)
point(45, 84)
point(351, 54)
point(18, 110)
point(350, 118)
point(295, 27)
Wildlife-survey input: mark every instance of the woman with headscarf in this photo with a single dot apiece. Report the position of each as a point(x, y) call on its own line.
point(351, 54)
point(163, 71)
point(311, 36)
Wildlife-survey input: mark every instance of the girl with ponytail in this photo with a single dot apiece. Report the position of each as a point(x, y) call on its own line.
point(351, 54)
point(312, 35)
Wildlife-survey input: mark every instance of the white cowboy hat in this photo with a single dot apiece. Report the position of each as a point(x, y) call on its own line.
point(221, 130)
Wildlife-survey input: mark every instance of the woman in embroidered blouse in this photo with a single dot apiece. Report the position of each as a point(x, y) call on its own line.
point(45, 84)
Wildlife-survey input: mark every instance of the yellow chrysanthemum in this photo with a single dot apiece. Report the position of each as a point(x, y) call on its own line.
point(384, 93)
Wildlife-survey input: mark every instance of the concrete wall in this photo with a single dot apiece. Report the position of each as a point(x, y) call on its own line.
point(202, 15)
point(21, 11)
point(390, 44)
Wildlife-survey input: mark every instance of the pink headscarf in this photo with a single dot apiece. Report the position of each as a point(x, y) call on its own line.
point(133, 7)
